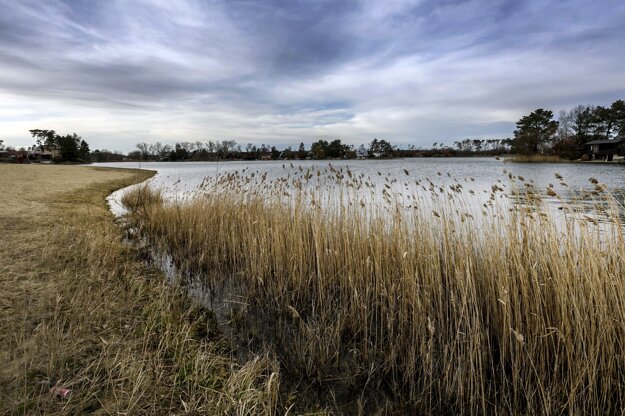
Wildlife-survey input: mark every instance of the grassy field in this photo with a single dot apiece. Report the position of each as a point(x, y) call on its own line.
point(415, 311)
point(81, 310)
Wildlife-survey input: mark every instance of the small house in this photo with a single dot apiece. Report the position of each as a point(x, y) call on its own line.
point(362, 153)
point(41, 155)
point(606, 149)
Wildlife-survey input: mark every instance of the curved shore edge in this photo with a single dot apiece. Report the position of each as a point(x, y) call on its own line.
point(84, 314)
point(114, 200)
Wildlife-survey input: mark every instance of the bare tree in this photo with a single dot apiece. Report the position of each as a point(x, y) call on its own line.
point(566, 124)
point(144, 148)
point(225, 147)
point(211, 146)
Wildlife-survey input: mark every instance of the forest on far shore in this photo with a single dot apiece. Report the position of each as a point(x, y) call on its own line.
point(537, 133)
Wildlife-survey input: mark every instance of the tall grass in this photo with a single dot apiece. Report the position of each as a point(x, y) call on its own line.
point(422, 309)
point(536, 159)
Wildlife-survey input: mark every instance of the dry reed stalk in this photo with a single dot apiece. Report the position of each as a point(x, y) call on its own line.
point(518, 316)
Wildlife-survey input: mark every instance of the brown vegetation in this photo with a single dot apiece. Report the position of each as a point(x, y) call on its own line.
point(413, 311)
point(536, 159)
point(80, 310)
point(350, 309)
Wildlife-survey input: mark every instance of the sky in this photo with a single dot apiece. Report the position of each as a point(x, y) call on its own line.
point(281, 72)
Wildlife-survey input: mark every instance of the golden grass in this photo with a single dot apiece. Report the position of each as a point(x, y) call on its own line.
point(81, 310)
point(414, 312)
point(536, 159)
point(141, 198)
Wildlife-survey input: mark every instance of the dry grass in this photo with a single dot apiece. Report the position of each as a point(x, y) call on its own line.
point(410, 311)
point(536, 159)
point(81, 310)
point(141, 198)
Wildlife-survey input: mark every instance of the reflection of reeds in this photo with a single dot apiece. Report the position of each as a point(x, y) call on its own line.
point(523, 316)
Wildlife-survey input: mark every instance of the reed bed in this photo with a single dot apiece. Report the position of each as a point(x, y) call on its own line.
point(536, 159)
point(414, 303)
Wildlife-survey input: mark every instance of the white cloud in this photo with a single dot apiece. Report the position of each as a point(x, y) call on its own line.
point(410, 71)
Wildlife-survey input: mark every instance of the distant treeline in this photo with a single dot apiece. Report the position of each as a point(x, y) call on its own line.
point(321, 149)
point(536, 133)
point(212, 150)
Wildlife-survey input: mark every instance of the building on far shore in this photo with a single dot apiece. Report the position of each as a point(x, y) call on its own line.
point(362, 153)
point(39, 155)
point(607, 150)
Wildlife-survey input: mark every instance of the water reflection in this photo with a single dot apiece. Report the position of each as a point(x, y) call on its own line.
point(471, 186)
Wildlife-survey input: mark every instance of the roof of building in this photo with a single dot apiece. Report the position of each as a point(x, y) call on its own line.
point(604, 141)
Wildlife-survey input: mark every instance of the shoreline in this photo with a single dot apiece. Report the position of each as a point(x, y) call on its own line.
point(505, 159)
point(288, 272)
point(83, 312)
point(87, 312)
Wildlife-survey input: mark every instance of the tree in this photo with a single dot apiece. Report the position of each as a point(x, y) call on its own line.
point(68, 146)
point(301, 151)
point(618, 113)
point(166, 152)
point(603, 123)
point(225, 147)
point(381, 148)
point(179, 153)
point(599, 123)
point(477, 144)
point(583, 124)
point(144, 148)
point(287, 153)
point(1, 144)
point(83, 151)
point(44, 138)
point(567, 148)
point(105, 155)
point(211, 146)
point(135, 155)
point(319, 149)
point(336, 149)
point(189, 147)
point(566, 122)
point(534, 132)
point(156, 149)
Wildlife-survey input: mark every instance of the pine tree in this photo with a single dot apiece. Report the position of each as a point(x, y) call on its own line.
point(534, 132)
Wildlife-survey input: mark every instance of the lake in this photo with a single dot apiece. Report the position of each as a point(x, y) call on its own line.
point(474, 182)
point(464, 268)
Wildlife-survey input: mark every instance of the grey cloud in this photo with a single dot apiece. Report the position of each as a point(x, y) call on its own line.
point(409, 70)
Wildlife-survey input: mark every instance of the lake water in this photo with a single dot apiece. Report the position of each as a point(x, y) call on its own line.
point(485, 188)
point(473, 181)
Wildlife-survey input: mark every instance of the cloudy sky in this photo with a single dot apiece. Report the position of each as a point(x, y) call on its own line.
point(284, 71)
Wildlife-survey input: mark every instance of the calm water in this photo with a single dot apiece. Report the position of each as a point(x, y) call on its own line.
point(480, 186)
point(369, 180)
